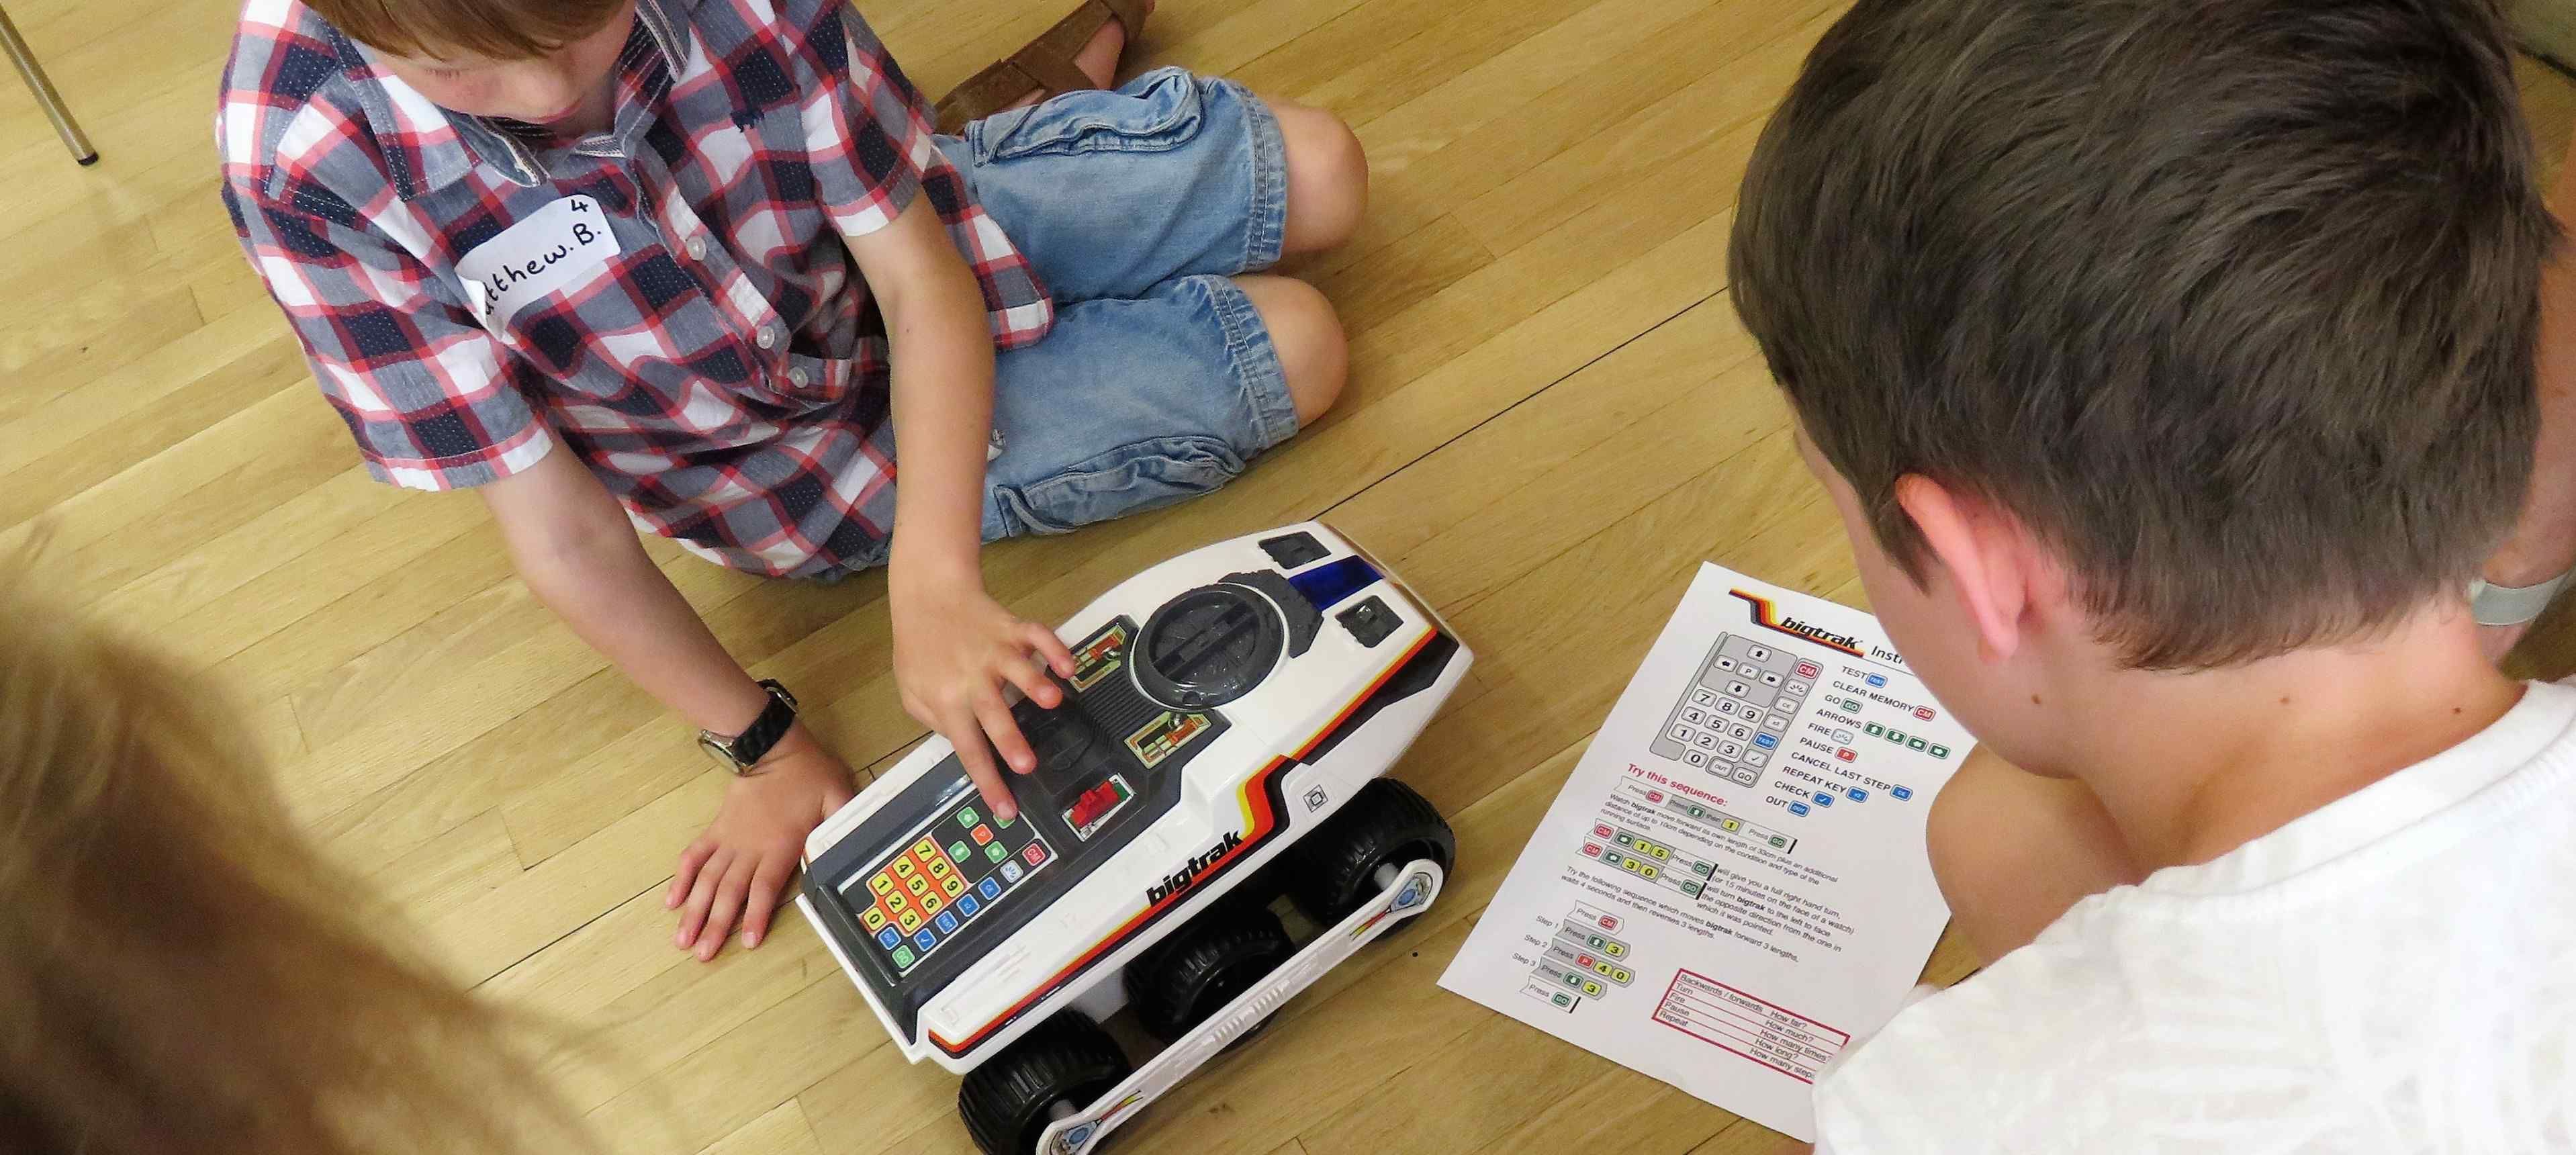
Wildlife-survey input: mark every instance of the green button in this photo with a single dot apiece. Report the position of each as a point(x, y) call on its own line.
point(1776, 840)
point(1005, 823)
point(1691, 889)
point(1875, 730)
point(1914, 743)
point(1696, 812)
point(994, 851)
point(1701, 869)
point(1940, 751)
point(958, 851)
point(1895, 735)
point(967, 817)
point(903, 957)
point(1626, 839)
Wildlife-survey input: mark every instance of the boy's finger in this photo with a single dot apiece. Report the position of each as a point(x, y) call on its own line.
point(737, 881)
point(977, 758)
point(767, 880)
point(1044, 641)
point(1032, 681)
point(1005, 733)
point(694, 914)
point(687, 876)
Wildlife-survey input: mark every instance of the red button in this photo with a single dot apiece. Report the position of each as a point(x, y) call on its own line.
point(1654, 796)
point(1923, 712)
point(1846, 754)
point(1036, 853)
point(983, 834)
point(1809, 669)
point(1600, 830)
point(1592, 850)
point(1586, 961)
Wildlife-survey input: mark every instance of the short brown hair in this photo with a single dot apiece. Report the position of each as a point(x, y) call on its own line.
point(497, 29)
point(180, 972)
point(2232, 302)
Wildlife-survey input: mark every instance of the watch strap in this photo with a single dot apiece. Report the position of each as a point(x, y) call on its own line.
point(2495, 605)
point(763, 735)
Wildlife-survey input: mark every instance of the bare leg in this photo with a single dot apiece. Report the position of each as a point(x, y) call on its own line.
point(2013, 851)
point(1308, 337)
point(1327, 177)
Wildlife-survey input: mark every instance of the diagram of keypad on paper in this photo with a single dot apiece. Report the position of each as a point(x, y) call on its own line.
point(1735, 713)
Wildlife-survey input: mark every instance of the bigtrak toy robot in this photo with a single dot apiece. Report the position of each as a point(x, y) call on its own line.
point(1221, 746)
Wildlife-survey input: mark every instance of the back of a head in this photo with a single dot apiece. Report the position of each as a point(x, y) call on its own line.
point(2232, 302)
point(177, 973)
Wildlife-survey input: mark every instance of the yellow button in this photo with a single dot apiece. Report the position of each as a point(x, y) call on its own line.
point(874, 918)
point(1591, 988)
point(939, 867)
point(903, 868)
point(1633, 865)
point(917, 884)
point(882, 884)
point(1731, 824)
point(952, 887)
point(1620, 975)
point(925, 848)
point(1663, 852)
point(1615, 949)
point(909, 919)
point(1602, 968)
point(930, 903)
point(1650, 872)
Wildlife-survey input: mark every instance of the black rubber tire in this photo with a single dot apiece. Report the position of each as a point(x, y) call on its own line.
point(1219, 955)
point(1067, 1058)
point(1330, 872)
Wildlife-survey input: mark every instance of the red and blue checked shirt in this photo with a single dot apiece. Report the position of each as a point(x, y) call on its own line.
point(671, 300)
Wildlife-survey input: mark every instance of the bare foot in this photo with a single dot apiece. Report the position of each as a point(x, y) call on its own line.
point(1097, 60)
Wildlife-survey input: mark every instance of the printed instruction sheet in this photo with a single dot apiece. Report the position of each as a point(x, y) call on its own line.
point(1732, 886)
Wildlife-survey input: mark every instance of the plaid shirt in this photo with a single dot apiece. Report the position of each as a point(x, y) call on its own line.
point(672, 300)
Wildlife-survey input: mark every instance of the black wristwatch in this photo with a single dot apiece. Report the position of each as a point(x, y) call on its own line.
point(744, 751)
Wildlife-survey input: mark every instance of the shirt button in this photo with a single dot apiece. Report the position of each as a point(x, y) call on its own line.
point(766, 337)
point(796, 376)
point(697, 247)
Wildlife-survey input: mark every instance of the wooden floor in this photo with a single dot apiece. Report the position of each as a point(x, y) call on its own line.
point(1553, 417)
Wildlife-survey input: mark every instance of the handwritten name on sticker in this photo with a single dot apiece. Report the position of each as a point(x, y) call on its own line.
point(549, 250)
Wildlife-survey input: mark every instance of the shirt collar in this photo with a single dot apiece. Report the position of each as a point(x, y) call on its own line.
point(446, 145)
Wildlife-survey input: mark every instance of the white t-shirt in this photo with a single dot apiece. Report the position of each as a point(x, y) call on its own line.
point(2393, 972)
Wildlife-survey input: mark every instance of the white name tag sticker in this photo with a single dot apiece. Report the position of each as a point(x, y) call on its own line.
point(551, 249)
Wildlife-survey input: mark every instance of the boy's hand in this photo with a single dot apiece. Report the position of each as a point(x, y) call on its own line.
point(748, 854)
point(954, 648)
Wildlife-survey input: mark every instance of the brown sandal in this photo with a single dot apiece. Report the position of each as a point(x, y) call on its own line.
point(1044, 64)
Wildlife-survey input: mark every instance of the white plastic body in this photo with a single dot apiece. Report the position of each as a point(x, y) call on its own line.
point(1415, 887)
point(1301, 700)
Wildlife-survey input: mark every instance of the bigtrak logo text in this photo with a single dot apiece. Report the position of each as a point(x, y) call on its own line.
point(1190, 871)
point(1767, 616)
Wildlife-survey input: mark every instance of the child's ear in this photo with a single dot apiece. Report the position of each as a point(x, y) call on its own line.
point(1995, 572)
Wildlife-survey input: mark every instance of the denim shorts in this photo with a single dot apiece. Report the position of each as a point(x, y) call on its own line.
point(1158, 382)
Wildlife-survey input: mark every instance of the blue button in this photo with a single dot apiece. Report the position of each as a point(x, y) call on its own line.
point(946, 922)
point(1824, 799)
point(1010, 872)
point(1856, 794)
point(1797, 808)
point(1901, 792)
point(889, 939)
point(1878, 681)
point(925, 940)
point(991, 888)
point(1766, 741)
point(966, 904)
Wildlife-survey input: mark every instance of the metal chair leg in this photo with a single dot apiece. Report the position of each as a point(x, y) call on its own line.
point(34, 74)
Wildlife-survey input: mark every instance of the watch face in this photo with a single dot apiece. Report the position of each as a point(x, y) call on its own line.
point(717, 751)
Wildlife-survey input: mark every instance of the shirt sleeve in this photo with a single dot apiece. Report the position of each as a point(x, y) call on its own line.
point(867, 130)
point(432, 398)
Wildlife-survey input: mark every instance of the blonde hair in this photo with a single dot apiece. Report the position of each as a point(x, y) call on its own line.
point(179, 971)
